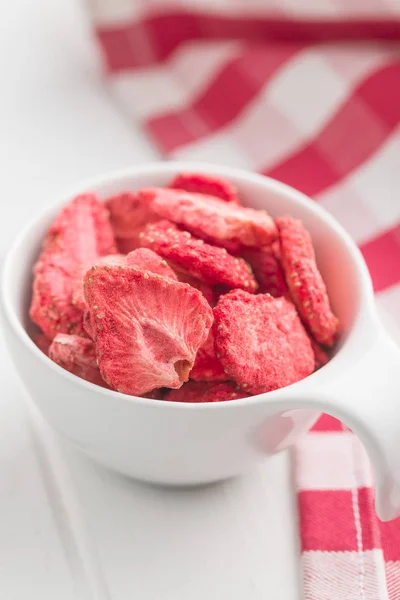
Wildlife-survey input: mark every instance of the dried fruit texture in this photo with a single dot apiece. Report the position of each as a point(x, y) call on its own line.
point(43, 343)
point(78, 297)
point(147, 328)
point(267, 270)
point(145, 259)
point(305, 282)
point(79, 234)
point(211, 218)
point(207, 367)
point(210, 185)
point(128, 215)
point(200, 391)
point(261, 341)
point(321, 357)
point(204, 288)
point(87, 325)
point(77, 355)
point(142, 259)
point(186, 253)
point(276, 249)
point(51, 308)
point(81, 231)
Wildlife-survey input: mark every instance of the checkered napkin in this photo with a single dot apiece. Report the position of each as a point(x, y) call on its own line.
point(309, 93)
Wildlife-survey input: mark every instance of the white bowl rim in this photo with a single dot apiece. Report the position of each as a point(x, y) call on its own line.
point(171, 167)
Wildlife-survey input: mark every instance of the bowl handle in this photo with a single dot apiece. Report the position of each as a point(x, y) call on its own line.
point(366, 396)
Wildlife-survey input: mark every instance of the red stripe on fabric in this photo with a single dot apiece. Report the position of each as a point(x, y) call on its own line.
point(353, 134)
point(307, 170)
point(327, 520)
point(382, 255)
point(231, 90)
point(390, 537)
point(142, 43)
point(376, 533)
point(369, 524)
point(327, 423)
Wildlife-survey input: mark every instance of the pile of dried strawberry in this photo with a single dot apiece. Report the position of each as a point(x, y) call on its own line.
point(181, 293)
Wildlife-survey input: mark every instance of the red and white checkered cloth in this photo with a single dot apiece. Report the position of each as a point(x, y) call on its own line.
point(309, 93)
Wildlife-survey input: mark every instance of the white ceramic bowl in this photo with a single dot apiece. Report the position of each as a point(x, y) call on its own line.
point(189, 444)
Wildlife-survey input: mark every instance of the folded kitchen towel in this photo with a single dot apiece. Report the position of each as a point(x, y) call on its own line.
point(309, 93)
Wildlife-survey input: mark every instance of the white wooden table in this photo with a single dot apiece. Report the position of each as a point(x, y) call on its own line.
point(70, 529)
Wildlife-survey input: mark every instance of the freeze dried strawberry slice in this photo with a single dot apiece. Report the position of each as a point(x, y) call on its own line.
point(321, 357)
point(51, 308)
point(80, 233)
point(186, 253)
point(276, 249)
point(78, 297)
point(267, 270)
point(42, 342)
point(87, 325)
point(204, 288)
point(261, 341)
point(77, 355)
point(147, 328)
point(210, 185)
point(200, 391)
point(207, 367)
point(147, 260)
point(211, 218)
point(305, 282)
point(143, 259)
point(81, 230)
point(128, 213)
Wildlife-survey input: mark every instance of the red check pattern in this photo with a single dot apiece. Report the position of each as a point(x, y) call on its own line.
point(309, 93)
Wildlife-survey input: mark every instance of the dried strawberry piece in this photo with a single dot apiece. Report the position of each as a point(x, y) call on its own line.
point(211, 218)
point(42, 342)
point(128, 213)
point(80, 233)
point(78, 297)
point(81, 230)
point(261, 341)
point(186, 253)
point(51, 308)
point(276, 249)
point(321, 357)
point(87, 325)
point(204, 288)
point(146, 259)
point(147, 328)
point(77, 355)
point(267, 270)
point(200, 391)
point(305, 282)
point(210, 185)
point(142, 258)
point(207, 367)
